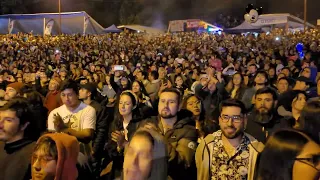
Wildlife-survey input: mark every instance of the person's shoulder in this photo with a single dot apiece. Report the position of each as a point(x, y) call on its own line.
point(85, 107)
point(210, 138)
point(59, 109)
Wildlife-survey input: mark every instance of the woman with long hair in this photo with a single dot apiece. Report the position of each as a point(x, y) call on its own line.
point(122, 128)
point(236, 86)
point(141, 92)
point(289, 155)
point(179, 83)
point(204, 126)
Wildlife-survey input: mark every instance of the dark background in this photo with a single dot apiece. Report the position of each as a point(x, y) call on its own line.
point(159, 12)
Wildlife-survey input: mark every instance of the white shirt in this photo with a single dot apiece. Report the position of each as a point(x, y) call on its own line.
point(179, 60)
point(83, 117)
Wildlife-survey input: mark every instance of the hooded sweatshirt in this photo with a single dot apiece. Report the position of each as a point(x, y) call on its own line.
point(68, 150)
point(159, 170)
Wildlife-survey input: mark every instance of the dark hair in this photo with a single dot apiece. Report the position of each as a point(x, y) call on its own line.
point(265, 75)
point(132, 97)
point(34, 98)
point(267, 90)
point(184, 105)
point(49, 147)
point(284, 78)
point(278, 157)
point(310, 120)
point(70, 84)
point(175, 91)
point(24, 113)
point(145, 74)
point(154, 74)
point(142, 89)
point(233, 103)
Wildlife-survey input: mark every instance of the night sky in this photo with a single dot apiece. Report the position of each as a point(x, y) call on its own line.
point(106, 12)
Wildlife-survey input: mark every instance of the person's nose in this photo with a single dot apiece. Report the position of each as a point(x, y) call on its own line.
point(36, 165)
point(230, 121)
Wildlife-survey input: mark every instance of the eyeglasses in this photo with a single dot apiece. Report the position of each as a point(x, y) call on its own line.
point(312, 161)
point(235, 118)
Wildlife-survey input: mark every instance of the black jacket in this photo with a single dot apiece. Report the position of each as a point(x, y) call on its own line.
point(15, 159)
point(101, 128)
point(181, 144)
point(261, 129)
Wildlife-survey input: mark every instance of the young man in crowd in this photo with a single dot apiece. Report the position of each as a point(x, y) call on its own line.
point(55, 157)
point(263, 120)
point(52, 99)
point(74, 117)
point(87, 94)
point(13, 90)
point(260, 80)
point(229, 153)
point(179, 131)
point(302, 84)
point(18, 134)
point(153, 87)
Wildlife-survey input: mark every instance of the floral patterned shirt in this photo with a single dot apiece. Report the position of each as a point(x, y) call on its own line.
point(225, 168)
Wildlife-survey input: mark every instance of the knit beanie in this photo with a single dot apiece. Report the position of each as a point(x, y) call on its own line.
point(17, 86)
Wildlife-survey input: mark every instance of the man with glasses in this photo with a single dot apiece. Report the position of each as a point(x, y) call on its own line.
point(229, 153)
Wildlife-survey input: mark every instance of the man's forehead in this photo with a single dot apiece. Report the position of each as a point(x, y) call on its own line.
point(168, 95)
point(264, 96)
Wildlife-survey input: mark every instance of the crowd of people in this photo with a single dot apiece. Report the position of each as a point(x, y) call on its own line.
point(179, 106)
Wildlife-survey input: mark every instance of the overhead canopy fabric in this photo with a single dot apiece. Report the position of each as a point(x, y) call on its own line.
point(146, 29)
point(71, 23)
point(112, 29)
point(245, 26)
point(267, 21)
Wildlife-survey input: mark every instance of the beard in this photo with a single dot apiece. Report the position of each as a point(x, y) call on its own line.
point(263, 115)
point(165, 115)
point(235, 134)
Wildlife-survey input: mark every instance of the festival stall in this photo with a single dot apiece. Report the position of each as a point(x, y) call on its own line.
point(112, 29)
point(192, 25)
point(266, 22)
point(142, 29)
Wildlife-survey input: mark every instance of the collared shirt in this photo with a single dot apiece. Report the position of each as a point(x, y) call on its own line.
point(224, 167)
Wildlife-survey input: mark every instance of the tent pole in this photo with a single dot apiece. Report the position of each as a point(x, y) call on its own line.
point(9, 23)
point(305, 15)
point(44, 26)
point(60, 17)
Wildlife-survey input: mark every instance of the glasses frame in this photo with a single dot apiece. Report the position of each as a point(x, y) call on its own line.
point(231, 117)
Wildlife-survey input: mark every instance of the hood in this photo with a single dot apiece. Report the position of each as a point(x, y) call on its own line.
point(68, 150)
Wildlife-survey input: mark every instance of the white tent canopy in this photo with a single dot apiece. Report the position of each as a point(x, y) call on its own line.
point(269, 21)
point(139, 28)
point(71, 23)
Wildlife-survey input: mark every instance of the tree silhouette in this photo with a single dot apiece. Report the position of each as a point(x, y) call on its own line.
point(130, 12)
